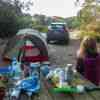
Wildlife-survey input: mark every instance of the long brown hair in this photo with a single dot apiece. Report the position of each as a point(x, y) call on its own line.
point(88, 47)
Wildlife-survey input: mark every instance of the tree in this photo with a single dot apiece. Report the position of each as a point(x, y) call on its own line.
point(12, 17)
point(88, 16)
point(17, 5)
point(25, 21)
point(88, 13)
point(41, 19)
point(7, 23)
point(72, 22)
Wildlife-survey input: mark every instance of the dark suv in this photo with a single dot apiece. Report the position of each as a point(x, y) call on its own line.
point(58, 32)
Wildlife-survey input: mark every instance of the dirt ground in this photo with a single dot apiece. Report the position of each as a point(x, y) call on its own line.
point(59, 55)
point(64, 54)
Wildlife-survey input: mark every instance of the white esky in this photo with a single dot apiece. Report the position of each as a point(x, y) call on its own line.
point(63, 8)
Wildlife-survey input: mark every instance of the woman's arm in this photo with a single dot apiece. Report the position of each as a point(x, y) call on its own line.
point(80, 66)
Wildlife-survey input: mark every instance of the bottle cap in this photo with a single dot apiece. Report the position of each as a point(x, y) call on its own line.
point(80, 88)
point(69, 65)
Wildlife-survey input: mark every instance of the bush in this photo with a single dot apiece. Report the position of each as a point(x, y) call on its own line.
point(94, 26)
point(91, 33)
point(41, 28)
point(8, 26)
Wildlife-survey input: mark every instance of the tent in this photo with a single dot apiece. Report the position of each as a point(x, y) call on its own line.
point(17, 44)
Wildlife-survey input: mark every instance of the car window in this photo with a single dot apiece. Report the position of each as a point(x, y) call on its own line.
point(57, 26)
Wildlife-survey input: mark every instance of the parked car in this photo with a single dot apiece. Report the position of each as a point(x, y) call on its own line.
point(58, 32)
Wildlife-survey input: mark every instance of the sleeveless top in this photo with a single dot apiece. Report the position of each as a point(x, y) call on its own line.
point(92, 69)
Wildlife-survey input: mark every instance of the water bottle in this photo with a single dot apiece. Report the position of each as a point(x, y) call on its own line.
point(16, 68)
point(69, 72)
point(14, 61)
point(15, 94)
point(66, 76)
point(61, 78)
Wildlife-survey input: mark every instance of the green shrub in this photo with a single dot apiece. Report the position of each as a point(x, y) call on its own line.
point(92, 34)
point(41, 28)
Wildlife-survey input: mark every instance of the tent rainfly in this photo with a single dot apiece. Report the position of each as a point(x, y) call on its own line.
point(27, 44)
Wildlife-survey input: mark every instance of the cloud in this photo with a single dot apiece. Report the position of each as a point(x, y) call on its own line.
point(63, 8)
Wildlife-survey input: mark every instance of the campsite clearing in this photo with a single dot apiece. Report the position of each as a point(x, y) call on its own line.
point(61, 55)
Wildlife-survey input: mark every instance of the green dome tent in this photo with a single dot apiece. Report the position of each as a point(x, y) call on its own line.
point(14, 45)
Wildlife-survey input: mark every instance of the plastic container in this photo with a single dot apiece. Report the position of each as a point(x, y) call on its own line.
point(80, 88)
point(61, 78)
point(16, 68)
point(69, 73)
point(15, 94)
point(45, 69)
point(66, 72)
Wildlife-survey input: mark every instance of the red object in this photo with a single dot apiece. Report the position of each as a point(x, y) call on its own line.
point(28, 47)
point(92, 69)
point(33, 54)
point(35, 58)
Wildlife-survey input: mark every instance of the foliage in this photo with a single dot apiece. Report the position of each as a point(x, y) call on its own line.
point(90, 33)
point(41, 28)
point(92, 30)
point(73, 22)
point(42, 19)
point(17, 5)
point(41, 22)
point(24, 22)
point(7, 23)
point(88, 16)
point(94, 26)
point(85, 16)
point(12, 18)
point(84, 33)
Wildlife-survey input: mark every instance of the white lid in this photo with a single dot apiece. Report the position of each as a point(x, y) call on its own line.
point(69, 65)
point(46, 62)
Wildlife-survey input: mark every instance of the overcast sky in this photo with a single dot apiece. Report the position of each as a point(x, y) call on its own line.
point(63, 8)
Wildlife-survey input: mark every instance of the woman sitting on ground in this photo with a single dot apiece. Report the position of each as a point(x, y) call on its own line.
point(88, 60)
